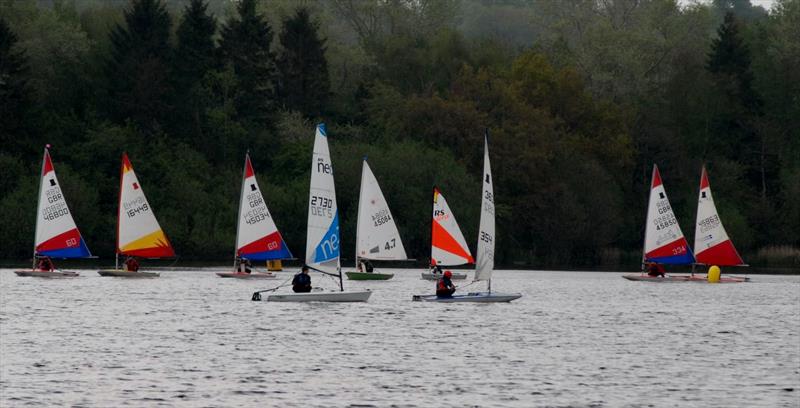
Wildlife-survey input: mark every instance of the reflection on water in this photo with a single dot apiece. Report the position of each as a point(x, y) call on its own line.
point(573, 340)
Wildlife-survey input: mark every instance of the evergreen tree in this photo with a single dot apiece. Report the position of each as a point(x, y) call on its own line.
point(729, 60)
point(303, 85)
point(14, 101)
point(194, 58)
point(245, 45)
point(138, 71)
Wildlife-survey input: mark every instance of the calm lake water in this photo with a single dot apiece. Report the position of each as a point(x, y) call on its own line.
point(574, 340)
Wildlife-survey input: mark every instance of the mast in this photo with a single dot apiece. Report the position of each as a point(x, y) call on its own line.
point(119, 208)
point(432, 204)
point(39, 205)
point(358, 214)
point(239, 213)
point(646, 217)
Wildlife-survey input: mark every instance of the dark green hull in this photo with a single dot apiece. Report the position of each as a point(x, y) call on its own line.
point(368, 276)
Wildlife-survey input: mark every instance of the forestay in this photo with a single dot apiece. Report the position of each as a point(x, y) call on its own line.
point(448, 246)
point(664, 242)
point(138, 232)
point(711, 243)
point(257, 236)
point(485, 252)
point(322, 239)
point(376, 234)
point(56, 233)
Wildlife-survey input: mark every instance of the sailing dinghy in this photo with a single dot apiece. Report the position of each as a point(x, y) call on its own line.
point(377, 237)
point(138, 231)
point(664, 242)
point(57, 236)
point(712, 246)
point(257, 236)
point(448, 246)
point(485, 253)
point(322, 234)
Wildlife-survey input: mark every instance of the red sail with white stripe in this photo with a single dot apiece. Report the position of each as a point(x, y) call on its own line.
point(712, 246)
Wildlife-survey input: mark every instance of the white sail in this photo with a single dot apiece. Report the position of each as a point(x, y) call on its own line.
point(377, 236)
point(663, 240)
point(712, 246)
point(485, 253)
point(138, 232)
point(322, 239)
point(448, 246)
point(56, 232)
point(257, 236)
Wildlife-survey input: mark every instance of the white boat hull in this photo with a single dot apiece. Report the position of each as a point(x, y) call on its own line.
point(239, 275)
point(47, 274)
point(436, 276)
point(474, 297)
point(119, 273)
point(360, 296)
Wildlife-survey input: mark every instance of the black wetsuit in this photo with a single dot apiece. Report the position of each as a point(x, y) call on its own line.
point(301, 283)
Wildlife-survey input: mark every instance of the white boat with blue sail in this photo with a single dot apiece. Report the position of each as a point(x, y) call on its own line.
point(322, 234)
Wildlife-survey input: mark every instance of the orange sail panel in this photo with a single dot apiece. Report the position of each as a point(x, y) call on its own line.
point(448, 246)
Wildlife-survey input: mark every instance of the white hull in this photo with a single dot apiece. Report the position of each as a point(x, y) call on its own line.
point(361, 296)
point(474, 297)
point(238, 275)
point(119, 273)
point(47, 274)
point(436, 276)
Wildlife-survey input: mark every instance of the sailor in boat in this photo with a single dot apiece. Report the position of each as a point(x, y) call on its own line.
point(45, 264)
point(302, 281)
point(436, 269)
point(365, 266)
point(131, 264)
point(655, 269)
point(444, 286)
point(243, 265)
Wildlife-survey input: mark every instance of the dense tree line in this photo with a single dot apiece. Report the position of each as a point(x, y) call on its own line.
point(581, 98)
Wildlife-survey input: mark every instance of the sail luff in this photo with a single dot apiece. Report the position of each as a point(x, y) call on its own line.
point(484, 263)
point(39, 206)
point(360, 202)
point(239, 212)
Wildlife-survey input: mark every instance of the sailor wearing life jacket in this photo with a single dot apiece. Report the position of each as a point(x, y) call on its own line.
point(445, 287)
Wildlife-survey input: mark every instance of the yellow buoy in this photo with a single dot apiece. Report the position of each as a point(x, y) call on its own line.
point(713, 274)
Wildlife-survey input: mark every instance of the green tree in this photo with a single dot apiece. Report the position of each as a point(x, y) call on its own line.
point(14, 91)
point(303, 85)
point(193, 59)
point(245, 45)
point(138, 70)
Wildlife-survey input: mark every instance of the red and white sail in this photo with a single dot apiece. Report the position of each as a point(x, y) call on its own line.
point(56, 233)
point(138, 231)
point(448, 246)
point(257, 236)
point(712, 246)
point(664, 241)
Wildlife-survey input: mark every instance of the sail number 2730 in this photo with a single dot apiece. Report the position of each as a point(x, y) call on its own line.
point(322, 206)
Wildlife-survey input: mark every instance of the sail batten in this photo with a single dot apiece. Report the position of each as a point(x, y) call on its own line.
point(448, 246)
point(257, 236)
point(484, 264)
point(664, 241)
point(377, 237)
point(138, 231)
point(56, 233)
point(712, 246)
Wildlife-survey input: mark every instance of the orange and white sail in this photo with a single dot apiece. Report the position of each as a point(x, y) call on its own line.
point(712, 246)
point(448, 246)
point(138, 232)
